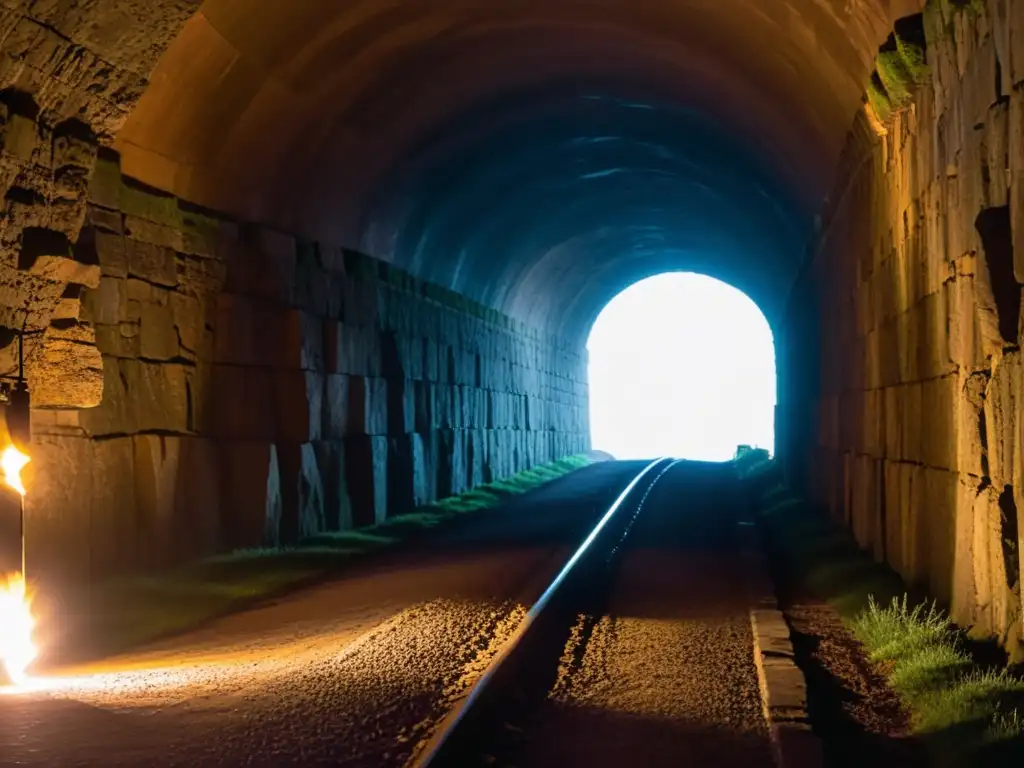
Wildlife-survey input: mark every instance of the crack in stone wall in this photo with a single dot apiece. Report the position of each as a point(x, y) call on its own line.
point(920, 378)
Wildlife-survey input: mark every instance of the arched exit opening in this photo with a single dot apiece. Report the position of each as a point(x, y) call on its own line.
point(681, 365)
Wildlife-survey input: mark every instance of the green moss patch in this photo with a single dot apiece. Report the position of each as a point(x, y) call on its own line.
point(127, 613)
point(966, 712)
point(901, 67)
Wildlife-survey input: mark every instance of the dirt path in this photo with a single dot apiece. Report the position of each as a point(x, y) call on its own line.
point(351, 673)
point(666, 677)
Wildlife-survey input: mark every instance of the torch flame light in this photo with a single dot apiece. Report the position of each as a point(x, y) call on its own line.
point(12, 461)
point(17, 651)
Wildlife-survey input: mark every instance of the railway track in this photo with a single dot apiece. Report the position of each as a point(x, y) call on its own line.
point(485, 726)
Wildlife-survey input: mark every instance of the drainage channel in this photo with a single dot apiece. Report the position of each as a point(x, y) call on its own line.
point(484, 725)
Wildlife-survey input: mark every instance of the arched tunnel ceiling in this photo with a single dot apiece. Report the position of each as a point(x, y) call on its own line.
point(538, 155)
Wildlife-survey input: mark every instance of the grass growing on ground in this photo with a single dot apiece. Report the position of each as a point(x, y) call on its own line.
point(126, 613)
point(964, 712)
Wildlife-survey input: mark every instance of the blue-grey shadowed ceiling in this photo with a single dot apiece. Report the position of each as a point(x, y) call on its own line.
point(592, 191)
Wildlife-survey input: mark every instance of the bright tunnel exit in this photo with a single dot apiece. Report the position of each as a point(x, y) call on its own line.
point(681, 365)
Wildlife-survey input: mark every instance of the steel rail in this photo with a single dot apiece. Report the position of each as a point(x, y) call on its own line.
point(450, 729)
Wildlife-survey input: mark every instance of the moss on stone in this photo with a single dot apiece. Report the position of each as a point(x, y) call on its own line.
point(900, 68)
point(199, 222)
point(879, 99)
point(138, 200)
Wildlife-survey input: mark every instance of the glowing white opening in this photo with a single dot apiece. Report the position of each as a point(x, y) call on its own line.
point(681, 365)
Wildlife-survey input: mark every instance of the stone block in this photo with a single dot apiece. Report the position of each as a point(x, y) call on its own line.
point(198, 275)
point(1002, 409)
point(250, 494)
point(162, 538)
point(144, 202)
point(894, 514)
point(892, 431)
point(151, 232)
point(452, 469)
point(366, 459)
point(912, 424)
point(105, 184)
point(58, 510)
point(152, 263)
point(939, 422)
point(161, 395)
point(934, 495)
point(80, 510)
point(112, 252)
point(114, 543)
point(401, 406)
point(425, 452)
point(969, 414)
point(298, 405)
point(424, 407)
point(330, 455)
point(964, 591)
point(69, 370)
point(158, 336)
point(107, 303)
point(250, 271)
point(996, 156)
point(302, 493)
point(242, 402)
point(360, 306)
point(204, 233)
point(401, 475)
point(63, 269)
point(190, 318)
point(336, 407)
point(141, 396)
point(255, 332)
point(368, 405)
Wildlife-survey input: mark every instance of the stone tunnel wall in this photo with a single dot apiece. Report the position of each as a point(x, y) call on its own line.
point(257, 389)
point(918, 268)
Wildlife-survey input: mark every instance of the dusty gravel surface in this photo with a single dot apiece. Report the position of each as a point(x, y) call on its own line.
point(352, 673)
point(666, 677)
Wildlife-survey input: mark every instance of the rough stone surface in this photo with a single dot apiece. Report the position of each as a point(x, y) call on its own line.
point(917, 408)
point(259, 403)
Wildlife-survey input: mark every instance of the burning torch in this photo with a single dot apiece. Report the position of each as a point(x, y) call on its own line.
point(19, 429)
point(17, 650)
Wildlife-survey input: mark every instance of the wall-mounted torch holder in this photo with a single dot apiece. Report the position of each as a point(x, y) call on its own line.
point(18, 413)
point(19, 405)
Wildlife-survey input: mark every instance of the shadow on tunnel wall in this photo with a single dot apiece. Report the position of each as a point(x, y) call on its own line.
point(259, 389)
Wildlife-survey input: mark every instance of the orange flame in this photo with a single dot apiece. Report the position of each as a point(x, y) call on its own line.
point(17, 650)
point(12, 461)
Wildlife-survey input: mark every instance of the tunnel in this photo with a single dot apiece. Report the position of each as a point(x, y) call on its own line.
point(300, 270)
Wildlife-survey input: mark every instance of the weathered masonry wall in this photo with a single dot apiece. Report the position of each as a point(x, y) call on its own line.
point(917, 422)
point(257, 389)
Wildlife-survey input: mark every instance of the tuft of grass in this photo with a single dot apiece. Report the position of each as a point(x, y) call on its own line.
point(126, 613)
point(964, 712)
